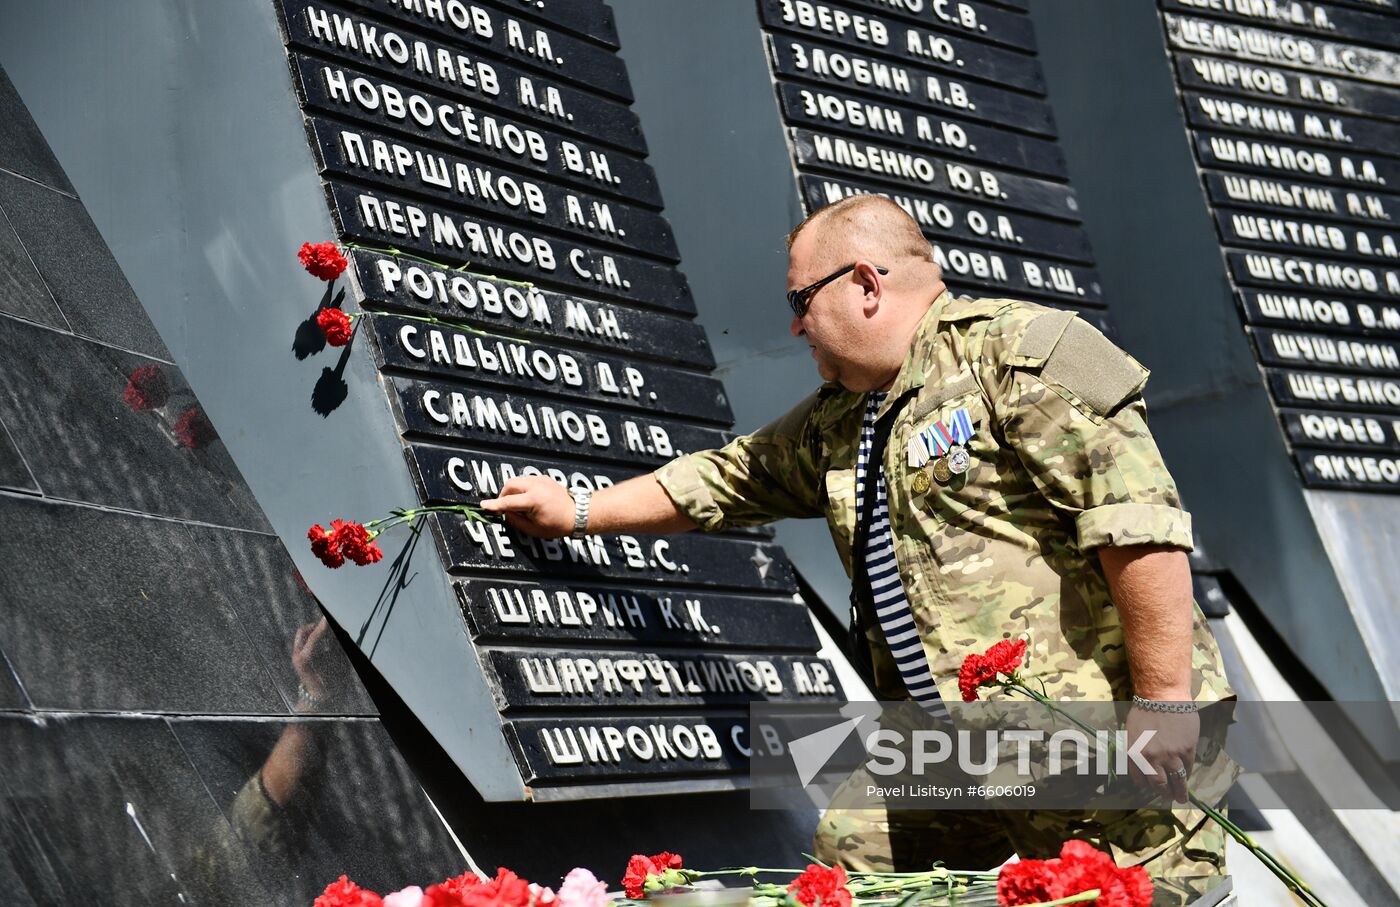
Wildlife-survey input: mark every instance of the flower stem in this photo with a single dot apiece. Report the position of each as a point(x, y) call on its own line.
point(1284, 874)
point(1090, 895)
point(1272, 863)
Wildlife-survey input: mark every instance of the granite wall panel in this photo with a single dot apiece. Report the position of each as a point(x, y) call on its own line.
point(22, 290)
point(14, 472)
point(74, 261)
point(108, 427)
point(348, 804)
point(116, 611)
point(140, 576)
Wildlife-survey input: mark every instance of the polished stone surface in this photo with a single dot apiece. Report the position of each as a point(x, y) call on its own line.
point(120, 816)
point(22, 291)
point(86, 437)
point(314, 799)
point(120, 613)
point(13, 471)
point(23, 148)
point(26, 875)
point(11, 696)
point(74, 261)
point(255, 579)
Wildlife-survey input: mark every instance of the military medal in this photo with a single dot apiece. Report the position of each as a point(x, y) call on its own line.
point(958, 459)
point(940, 440)
point(920, 483)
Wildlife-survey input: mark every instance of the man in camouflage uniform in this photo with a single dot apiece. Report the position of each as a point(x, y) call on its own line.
point(1065, 529)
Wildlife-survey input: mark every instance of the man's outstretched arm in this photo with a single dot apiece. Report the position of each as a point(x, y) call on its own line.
point(539, 506)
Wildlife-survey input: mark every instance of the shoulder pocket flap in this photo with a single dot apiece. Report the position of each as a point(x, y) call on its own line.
point(934, 397)
point(1041, 337)
point(1088, 365)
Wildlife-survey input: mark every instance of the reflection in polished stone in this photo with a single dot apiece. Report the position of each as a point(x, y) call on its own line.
point(27, 877)
point(80, 272)
point(112, 616)
point(119, 816)
point(256, 578)
point(312, 799)
point(68, 405)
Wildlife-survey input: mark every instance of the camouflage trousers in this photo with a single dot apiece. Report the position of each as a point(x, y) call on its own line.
point(1182, 850)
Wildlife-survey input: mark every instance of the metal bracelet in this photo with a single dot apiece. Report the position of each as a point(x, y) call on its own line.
point(581, 497)
point(1153, 705)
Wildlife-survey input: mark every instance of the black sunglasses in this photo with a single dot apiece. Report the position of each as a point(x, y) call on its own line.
point(801, 299)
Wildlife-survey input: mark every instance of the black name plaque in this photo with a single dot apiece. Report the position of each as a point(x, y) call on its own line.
point(381, 103)
point(406, 345)
point(883, 163)
point(851, 71)
point(484, 186)
point(940, 217)
point(441, 234)
point(408, 284)
point(465, 413)
point(516, 611)
point(409, 56)
point(552, 678)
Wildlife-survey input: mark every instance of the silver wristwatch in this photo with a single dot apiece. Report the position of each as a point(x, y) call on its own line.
point(581, 496)
point(1155, 705)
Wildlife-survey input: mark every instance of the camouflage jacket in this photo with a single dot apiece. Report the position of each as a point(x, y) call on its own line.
point(1062, 463)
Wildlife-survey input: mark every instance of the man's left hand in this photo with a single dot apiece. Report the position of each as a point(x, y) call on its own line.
point(1171, 751)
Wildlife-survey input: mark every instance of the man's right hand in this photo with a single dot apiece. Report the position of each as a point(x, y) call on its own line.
point(535, 505)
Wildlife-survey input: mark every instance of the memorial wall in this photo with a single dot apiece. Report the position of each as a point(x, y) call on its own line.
point(940, 107)
point(484, 166)
point(1294, 116)
point(559, 336)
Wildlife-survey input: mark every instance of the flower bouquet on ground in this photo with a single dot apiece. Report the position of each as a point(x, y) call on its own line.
point(1080, 875)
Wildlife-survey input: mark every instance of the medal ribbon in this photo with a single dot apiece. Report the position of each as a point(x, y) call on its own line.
point(943, 438)
point(962, 427)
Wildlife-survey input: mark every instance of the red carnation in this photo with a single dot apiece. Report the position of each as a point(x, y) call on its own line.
point(345, 893)
point(974, 672)
point(640, 866)
point(1080, 867)
point(506, 890)
point(322, 259)
point(821, 886)
point(336, 325)
point(440, 895)
point(461, 883)
point(323, 545)
point(146, 388)
point(1024, 882)
point(1005, 656)
point(357, 543)
point(194, 430)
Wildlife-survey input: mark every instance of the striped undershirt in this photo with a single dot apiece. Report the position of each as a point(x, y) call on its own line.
point(891, 607)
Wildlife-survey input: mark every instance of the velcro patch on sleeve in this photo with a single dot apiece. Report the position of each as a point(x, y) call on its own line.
point(1088, 365)
point(1040, 338)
